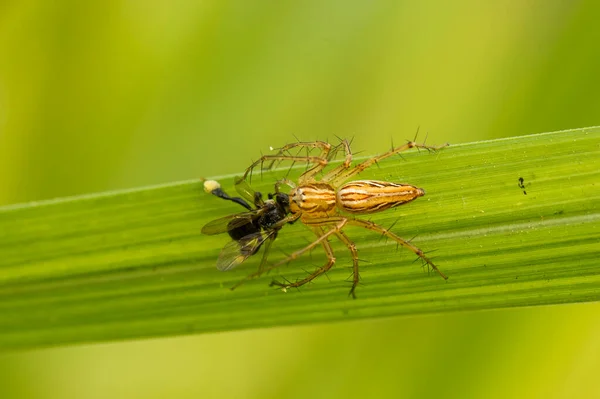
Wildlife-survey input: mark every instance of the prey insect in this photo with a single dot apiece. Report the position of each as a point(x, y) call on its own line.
point(248, 230)
point(329, 204)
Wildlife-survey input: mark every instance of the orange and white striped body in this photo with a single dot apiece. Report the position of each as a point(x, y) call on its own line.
point(321, 200)
point(370, 196)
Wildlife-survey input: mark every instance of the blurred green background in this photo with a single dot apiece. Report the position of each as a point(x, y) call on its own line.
point(97, 96)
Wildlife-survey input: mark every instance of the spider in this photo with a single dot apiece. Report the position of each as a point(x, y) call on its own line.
point(328, 205)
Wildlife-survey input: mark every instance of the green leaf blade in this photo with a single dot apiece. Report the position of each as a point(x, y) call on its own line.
point(133, 264)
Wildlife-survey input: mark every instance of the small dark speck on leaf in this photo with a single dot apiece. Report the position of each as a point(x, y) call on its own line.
point(522, 185)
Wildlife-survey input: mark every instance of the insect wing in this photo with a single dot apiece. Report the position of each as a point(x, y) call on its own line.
point(236, 252)
point(244, 190)
point(227, 223)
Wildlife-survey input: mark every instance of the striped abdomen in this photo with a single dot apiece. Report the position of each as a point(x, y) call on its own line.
point(369, 196)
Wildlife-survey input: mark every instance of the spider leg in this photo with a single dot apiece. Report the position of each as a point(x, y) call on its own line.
point(319, 162)
point(343, 166)
point(352, 248)
point(330, 262)
point(341, 222)
point(308, 145)
point(283, 154)
point(374, 227)
point(345, 175)
point(305, 145)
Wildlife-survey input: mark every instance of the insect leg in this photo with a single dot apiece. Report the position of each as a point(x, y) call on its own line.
point(330, 261)
point(374, 227)
point(352, 248)
point(343, 176)
point(266, 247)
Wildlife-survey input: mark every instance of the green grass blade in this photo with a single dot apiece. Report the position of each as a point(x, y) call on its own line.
point(133, 264)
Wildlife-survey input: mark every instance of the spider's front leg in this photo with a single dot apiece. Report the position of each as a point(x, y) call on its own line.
point(284, 154)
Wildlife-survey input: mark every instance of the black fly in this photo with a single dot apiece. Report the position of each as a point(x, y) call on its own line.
point(248, 230)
